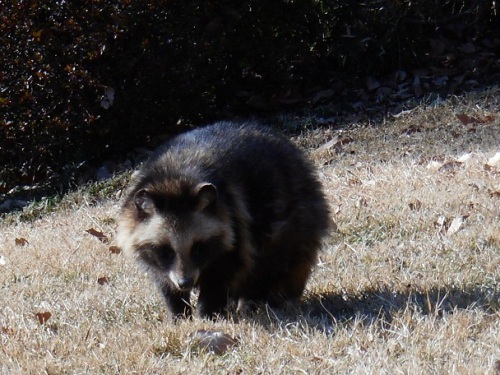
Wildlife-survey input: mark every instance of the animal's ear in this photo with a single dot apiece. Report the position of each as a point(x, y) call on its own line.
point(206, 193)
point(144, 203)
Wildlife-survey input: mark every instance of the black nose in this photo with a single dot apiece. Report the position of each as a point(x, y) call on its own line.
point(186, 283)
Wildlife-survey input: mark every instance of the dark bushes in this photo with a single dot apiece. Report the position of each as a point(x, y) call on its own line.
point(81, 80)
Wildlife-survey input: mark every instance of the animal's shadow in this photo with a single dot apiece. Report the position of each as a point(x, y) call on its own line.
point(324, 311)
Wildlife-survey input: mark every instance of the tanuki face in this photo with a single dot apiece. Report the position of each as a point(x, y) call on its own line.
point(178, 235)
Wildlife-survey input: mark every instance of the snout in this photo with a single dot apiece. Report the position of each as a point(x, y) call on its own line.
point(183, 282)
point(186, 283)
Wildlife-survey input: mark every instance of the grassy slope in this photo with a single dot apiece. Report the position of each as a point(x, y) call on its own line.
point(394, 292)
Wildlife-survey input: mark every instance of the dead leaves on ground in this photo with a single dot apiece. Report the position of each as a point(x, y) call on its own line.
point(441, 224)
point(200, 342)
point(471, 123)
point(21, 241)
point(415, 205)
point(43, 317)
point(115, 250)
point(7, 330)
point(103, 280)
point(493, 163)
point(456, 224)
point(450, 226)
point(332, 147)
point(104, 239)
point(442, 164)
point(335, 143)
point(213, 342)
point(468, 120)
point(495, 192)
point(98, 234)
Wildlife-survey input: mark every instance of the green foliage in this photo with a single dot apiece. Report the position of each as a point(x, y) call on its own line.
point(171, 63)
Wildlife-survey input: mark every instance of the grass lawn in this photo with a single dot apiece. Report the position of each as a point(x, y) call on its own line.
point(408, 283)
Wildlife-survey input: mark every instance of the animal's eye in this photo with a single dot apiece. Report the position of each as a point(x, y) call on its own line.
point(165, 248)
point(157, 255)
point(197, 249)
point(164, 253)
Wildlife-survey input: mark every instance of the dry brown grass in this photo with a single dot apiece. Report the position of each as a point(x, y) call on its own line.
point(396, 290)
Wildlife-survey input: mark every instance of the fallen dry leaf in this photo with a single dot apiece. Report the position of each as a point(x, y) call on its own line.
point(115, 250)
point(7, 330)
point(415, 205)
point(411, 130)
point(402, 113)
point(102, 280)
point(344, 141)
point(466, 120)
point(43, 317)
point(493, 162)
point(21, 241)
point(361, 202)
point(487, 119)
point(317, 359)
point(354, 181)
point(441, 224)
point(456, 225)
point(337, 209)
point(98, 234)
point(494, 193)
point(214, 342)
point(328, 145)
point(335, 145)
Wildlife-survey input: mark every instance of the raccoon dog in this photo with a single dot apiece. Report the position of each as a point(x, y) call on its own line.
point(234, 210)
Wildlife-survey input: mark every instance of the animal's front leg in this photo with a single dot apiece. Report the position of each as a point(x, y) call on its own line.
point(177, 302)
point(213, 300)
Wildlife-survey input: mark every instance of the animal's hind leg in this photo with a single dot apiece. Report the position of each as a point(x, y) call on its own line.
point(292, 283)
